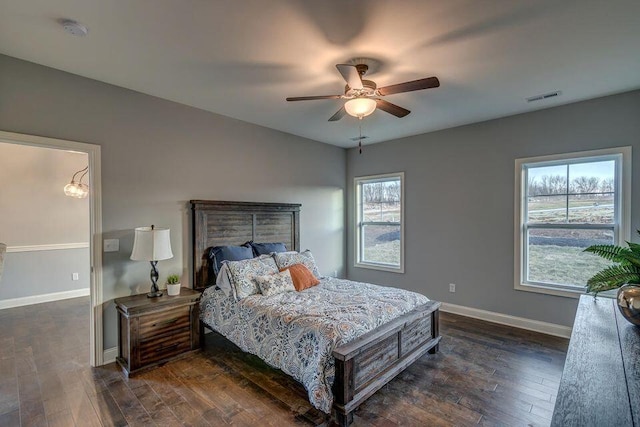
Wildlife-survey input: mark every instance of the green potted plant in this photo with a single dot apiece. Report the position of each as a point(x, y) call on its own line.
point(624, 275)
point(173, 285)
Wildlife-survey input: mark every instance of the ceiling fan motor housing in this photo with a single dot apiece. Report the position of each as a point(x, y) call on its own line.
point(368, 89)
point(362, 69)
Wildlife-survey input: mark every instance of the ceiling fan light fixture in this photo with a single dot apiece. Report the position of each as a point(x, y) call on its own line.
point(360, 107)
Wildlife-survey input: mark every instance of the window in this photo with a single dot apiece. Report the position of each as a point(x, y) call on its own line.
point(380, 222)
point(565, 203)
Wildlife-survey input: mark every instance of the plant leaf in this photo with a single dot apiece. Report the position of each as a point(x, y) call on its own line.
point(624, 256)
point(634, 247)
point(613, 277)
point(627, 270)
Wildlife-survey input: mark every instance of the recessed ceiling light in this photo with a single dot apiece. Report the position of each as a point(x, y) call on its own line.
point(74, 27)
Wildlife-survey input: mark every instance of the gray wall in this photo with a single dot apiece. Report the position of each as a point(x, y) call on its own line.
point(460, 200)
point(157, 155)
point(43, 272)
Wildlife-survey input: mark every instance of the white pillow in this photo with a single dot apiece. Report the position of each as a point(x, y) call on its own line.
point(287, 259)
point(222, 281)
point(277, 283)
point(243, 274)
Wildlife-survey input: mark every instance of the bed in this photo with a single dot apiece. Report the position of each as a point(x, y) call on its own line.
point(352, 357)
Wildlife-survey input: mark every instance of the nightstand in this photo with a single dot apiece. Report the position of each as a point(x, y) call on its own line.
point(153, 331)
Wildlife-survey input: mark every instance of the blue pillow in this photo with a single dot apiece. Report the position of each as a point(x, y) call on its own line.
point(217, 254)
point(267, 248)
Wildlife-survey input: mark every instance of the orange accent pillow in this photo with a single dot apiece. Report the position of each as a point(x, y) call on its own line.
point(302, 277)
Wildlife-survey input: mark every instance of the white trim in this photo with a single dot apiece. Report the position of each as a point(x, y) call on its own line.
point(508, 320)
point(38, 299)
point(624, 216)
point(374, 266)
point(110, 355)
point(550, 290)
point(95, 224)
point(50, 247)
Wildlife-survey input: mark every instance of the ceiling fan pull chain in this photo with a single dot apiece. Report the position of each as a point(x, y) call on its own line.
point(360, 138)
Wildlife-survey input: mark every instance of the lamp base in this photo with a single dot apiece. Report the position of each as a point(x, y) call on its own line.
point(155, 292)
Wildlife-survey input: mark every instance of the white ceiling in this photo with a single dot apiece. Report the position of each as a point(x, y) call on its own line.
point(243, 58)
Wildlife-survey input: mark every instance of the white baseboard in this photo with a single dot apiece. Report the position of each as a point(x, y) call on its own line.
point(37, 299)
point(49, 247)
point(505, 319)
point(110, 355)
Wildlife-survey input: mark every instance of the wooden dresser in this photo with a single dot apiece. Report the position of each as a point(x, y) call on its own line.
point(155, 330)
point(600, 383)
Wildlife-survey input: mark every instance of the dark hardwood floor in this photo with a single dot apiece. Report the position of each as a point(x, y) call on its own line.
point(485, 374)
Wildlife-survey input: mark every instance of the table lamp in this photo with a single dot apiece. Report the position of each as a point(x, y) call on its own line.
point(152, 244)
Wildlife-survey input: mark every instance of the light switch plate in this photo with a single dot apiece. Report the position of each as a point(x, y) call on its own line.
point(111, 245)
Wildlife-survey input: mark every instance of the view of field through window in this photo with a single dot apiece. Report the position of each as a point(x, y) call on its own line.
point(576, 203)
point(381, 216)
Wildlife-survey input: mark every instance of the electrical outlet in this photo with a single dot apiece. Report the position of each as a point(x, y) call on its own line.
point(75, 276)
point(111, 245)
point(452, 287)
point(335, 273)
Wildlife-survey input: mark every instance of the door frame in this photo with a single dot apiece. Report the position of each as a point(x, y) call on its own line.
point(95, 227)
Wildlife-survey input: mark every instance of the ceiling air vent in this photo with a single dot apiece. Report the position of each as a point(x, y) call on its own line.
point(544, 96)
point(359, 138)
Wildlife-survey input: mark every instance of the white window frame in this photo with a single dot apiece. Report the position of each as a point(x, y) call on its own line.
point(622, 214)
point(359, 223)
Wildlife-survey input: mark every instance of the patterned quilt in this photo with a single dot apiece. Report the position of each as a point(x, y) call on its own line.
point(298, 331)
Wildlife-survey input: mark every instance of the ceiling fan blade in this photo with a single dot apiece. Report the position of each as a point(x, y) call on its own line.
point(338, 115)
point(428, 83)
point(391, 108)
point(351, 75)
point(311, 98)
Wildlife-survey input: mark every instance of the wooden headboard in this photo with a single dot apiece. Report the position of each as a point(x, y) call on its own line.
point(217, 223)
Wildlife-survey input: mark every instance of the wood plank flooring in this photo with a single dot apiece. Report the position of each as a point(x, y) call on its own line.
point(485, 374)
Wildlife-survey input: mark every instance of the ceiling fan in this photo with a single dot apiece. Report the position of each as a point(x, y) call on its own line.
point(363, 96)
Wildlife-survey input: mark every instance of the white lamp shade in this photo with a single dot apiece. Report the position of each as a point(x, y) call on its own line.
point(151, 244)
point(360, 107)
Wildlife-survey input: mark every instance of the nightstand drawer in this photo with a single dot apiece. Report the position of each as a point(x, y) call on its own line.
point(156, 349)
point(153, 325)
point(152, 331)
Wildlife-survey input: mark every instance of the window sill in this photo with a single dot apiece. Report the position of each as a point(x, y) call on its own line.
point(549, 290)
point(380, 267)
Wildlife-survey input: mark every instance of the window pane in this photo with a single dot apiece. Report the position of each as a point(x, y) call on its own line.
point(592, 177)
point(381, 244)
point(381, 201)
point(547, 180)
point(556, 256)
point(592, 209)
point(543, 209)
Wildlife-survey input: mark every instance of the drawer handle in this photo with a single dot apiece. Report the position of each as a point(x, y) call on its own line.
point(169, 347)
point(167, 322)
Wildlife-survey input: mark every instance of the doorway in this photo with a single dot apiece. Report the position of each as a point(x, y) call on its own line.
point(92, 152)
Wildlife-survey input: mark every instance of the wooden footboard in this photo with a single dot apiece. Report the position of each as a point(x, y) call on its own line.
point(366, 364)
